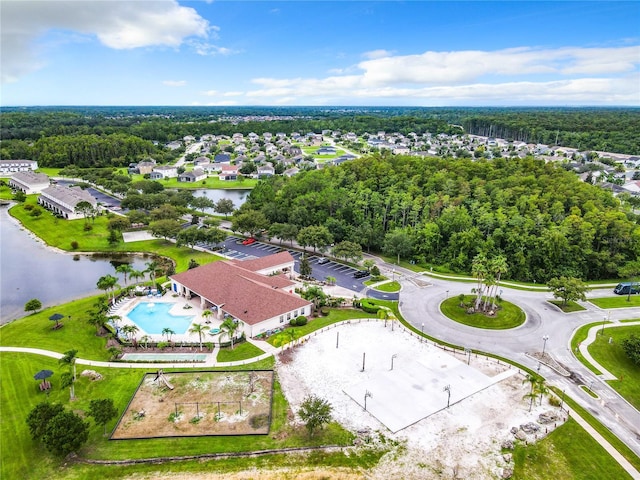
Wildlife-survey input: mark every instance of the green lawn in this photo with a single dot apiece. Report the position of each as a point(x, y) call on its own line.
point(19, 394)
point(35, 331)
point(60, 233)
point(612, 357)
point(389, 287)
point(567, 453)
point(581, 336)
point(335, 315)
point(569, 307)
point(243, 351)
point(52, 172)
point(5, 192)
point(508, 316)
point(210, 182)
point(619, 301)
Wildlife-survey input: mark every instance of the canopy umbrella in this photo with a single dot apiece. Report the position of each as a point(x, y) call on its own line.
point(43, 375)
point(56, 317)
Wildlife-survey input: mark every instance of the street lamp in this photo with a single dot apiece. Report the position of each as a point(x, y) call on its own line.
point(422, 331)
point(544, 345)
point(448, 390)
point(367, 394)
point(602, 330)
point(392, 357)
point(468, 352)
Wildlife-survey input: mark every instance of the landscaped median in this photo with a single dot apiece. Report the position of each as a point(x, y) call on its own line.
point(506, 315)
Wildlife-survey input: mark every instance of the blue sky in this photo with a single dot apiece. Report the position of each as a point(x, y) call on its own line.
point(167, 52)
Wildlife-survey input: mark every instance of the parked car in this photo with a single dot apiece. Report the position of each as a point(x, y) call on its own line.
point(625, 287)
point(323, 260)
point(249, 241)
point(361, 274)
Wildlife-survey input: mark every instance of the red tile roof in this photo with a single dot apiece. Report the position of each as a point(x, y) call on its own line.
point(240, 292)
point(262, 263)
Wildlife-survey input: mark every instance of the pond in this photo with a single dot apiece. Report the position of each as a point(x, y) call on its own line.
point(29, 270)
point(238, 197)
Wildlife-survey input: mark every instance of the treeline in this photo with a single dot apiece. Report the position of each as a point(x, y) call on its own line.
point(609, 130)
point(544, 220)
point(116, 150)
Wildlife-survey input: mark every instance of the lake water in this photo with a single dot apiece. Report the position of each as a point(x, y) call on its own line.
point(29, 270)
point(238, 197)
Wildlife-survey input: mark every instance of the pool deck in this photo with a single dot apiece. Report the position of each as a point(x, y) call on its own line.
point(181, 308)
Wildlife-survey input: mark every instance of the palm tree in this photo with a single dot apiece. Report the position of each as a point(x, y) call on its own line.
point(541, 388)
point(125, 269)
point(533, 381)
point(228, 329)
point(145, 340)
point(114, 352)
point(106, 283)
point(151, 269)
point(98, 320)
point(291, 333)
point(136, 274)
point(129, 331)
point(69, 358)
point(206, 314)
point(166, 331)
point(199, 329)
point(498, 267)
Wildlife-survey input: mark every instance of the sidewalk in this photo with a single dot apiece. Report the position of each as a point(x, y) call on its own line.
point(591, 337)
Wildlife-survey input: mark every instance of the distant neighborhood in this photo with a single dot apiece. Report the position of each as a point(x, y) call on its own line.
point(256, 156)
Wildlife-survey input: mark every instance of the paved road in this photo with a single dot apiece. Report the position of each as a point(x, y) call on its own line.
point(420, 304)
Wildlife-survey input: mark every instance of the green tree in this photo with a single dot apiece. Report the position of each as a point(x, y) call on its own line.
point(165, 228)
point(249, 221)
point(102, 410)
point(315, 412)
point(33, 305)
point(166, 331)
point(69, 358)
point(316, 236)
point(631, 347)
point(40, 416)
point(569, 289)
point(19, 196)
point(200, 330)
point(125, 269)
point(107, 283)
point(119, 223)
point(229, 329)
point(305, 267)
point(65, 433)
point(348, 251)
point(85, 208)
point(202, 203)
point(224, 206)
point(397, 243)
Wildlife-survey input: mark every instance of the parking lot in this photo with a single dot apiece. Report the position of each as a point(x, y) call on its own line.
point(232, 247)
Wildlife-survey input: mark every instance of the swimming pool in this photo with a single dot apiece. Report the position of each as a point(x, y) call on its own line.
point(155, 317)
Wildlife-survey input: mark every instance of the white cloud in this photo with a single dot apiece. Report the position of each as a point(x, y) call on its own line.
point(374, 54)
point(209, 49)
point(210, 93)
point(116, 24)
point(568, 75)
point(174, 83)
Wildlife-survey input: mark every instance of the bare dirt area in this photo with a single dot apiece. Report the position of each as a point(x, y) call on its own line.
point(463, 441)
point(199, 403)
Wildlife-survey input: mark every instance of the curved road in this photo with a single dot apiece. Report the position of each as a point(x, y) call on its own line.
point(420, 300)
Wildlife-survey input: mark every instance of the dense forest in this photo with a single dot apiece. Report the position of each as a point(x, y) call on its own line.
point(605, 129)
point(542, 218)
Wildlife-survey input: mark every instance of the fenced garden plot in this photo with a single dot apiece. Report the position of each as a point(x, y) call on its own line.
point(198, 404)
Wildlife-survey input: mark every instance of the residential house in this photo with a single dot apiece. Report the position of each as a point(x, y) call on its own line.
point(326, 151)
point(265, 171)
point(290, 172)
point(229, 172)
point(254, 293)
point(146, 167)
point(195, 175)
point(163, 171)
point(29, 182)
point(7, 167)
point(174, 145)
point(62, 201)
point(222, 158)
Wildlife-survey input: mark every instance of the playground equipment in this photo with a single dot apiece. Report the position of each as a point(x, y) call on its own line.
point(160, 378)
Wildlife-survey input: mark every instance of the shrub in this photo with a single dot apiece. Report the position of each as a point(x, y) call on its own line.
point(87, 227)
point(301, 320)
point(74, 245)
point(554, 401)
point(368, 306)
point(324, 311)
point(28, 207)
point(259, 421)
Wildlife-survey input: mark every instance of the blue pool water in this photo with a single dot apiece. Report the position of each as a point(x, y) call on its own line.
point(154, 317)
